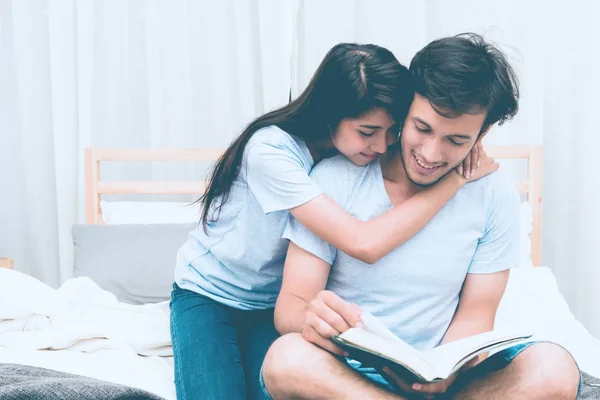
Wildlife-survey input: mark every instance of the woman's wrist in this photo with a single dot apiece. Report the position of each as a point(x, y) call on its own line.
point(457, 178)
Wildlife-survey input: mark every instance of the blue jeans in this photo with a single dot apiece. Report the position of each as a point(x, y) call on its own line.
point(218, 350)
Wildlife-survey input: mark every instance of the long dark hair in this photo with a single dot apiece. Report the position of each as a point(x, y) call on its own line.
point(351, 80)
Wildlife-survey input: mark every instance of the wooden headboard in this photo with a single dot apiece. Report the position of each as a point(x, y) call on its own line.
point(95, 188)
point(532, 187)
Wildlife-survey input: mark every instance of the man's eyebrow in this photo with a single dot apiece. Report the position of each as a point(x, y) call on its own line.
point(419, 120)
point(456, 135)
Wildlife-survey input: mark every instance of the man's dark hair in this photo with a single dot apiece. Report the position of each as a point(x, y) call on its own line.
point(464, 74)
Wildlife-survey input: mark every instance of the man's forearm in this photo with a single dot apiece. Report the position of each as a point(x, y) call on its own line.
point(464, 327)
point(289, 313)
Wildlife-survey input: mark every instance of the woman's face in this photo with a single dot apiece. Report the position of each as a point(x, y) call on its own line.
point(363, 139)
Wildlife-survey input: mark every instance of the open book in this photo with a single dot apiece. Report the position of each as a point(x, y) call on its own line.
point(376, 346)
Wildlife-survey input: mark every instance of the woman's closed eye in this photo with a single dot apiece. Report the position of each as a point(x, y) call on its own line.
point(367, 134)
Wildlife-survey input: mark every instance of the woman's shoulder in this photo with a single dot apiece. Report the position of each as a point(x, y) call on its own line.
point(273, 143)
point(272, 135)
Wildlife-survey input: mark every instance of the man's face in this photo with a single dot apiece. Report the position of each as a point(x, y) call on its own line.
point(433, 145)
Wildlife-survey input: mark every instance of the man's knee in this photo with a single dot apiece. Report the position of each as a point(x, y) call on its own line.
point(552, 370)
point(288, 360)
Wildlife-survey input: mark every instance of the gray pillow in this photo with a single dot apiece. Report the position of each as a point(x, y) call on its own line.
point(134, 262)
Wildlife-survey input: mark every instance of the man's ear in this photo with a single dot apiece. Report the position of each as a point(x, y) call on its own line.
point(484, 131)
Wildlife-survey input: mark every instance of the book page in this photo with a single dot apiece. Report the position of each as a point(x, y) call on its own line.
point(373, 325)
point(451, 356)
point(393, 349)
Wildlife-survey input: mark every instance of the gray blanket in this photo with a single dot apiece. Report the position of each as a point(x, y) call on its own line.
point(590, 388)
point(23, 382)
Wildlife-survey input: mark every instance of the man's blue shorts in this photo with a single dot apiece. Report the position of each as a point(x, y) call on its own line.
point(494, 362)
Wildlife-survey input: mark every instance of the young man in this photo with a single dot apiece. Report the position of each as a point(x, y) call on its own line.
point(442, 285)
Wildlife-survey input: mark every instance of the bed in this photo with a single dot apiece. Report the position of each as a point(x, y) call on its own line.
point(110, 321)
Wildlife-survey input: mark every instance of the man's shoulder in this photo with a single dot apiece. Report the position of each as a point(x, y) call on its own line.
point(493, 186)
point(495, 195)
point(340, 178)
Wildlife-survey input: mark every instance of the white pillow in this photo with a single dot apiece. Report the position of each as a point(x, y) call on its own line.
point(532, 302)
point(149, 212)
point(169, 212)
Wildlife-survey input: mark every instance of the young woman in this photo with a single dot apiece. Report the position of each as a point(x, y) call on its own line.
point(229, 272)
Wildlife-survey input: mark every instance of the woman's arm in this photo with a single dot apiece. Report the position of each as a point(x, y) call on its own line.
point(370, 240)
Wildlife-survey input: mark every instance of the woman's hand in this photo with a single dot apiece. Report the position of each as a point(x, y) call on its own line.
point(477, 164)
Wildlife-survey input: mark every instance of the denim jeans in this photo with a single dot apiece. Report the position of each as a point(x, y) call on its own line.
point(218, 350)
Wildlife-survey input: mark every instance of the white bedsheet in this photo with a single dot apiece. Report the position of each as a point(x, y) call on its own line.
point(533, 302)
point(83, 329)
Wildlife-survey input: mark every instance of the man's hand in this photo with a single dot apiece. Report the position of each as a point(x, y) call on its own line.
point(329, 315)
point(428, 390)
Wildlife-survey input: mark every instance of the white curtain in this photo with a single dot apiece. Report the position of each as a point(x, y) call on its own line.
point(570, 104)
point(183, 73)
point(129, 74)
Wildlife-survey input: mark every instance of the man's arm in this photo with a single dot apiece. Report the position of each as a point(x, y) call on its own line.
point(304, 306)
point(476, 312)
point(479, 300)
point(497, 251)
point(304, 276)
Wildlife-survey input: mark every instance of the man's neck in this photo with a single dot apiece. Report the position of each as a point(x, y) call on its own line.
point(397, 184)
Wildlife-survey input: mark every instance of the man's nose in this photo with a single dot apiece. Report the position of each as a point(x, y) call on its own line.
point(430, 151)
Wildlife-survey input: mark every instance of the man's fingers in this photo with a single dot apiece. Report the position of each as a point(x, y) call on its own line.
point(309, 334)
point(320, 327)
point(333, 319)
point(331, 347)
point(393, 378)
point(337, 304)
point(470, 364)
point(355, 308)
point(431, 388)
